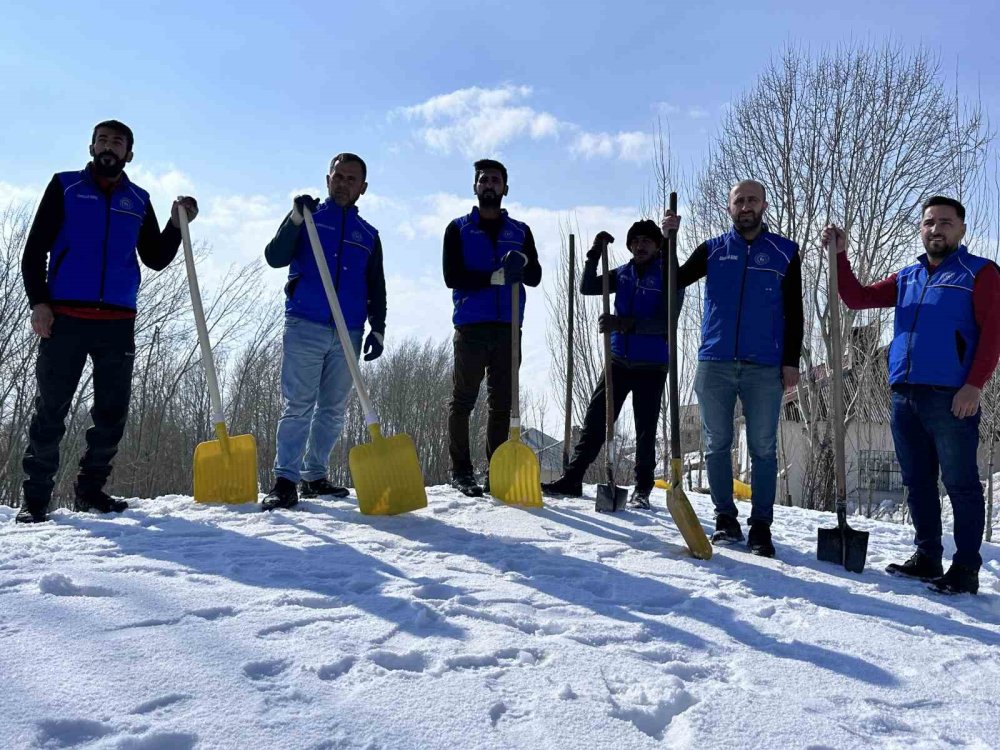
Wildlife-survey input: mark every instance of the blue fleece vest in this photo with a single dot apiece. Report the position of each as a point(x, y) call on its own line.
point(489, 304)
point(94, 259)
point(348, 244)
point(640, 297)
point(744, 316)
point(935, 333)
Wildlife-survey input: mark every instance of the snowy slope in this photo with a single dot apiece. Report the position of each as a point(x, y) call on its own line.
point(473, 625)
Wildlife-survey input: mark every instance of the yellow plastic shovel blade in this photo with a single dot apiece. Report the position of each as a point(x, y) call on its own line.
point(515, 477)
point(685, 518)
point(387, 475)
point(225, 470)
point(741, 490)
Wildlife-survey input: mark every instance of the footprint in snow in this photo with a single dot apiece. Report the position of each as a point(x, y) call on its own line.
point(436, 591)
point(262, 670)
point(69, 732)
point(160, 741)
point(58, 584)
point(505, 658)
point(650, 709)
point(409, 661)
point(212, 613)
point(164, 701)
point(336, 669)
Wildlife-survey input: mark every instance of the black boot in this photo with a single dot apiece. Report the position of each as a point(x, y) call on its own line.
point(960, 579)
point(32, 512)
point(640, 499)
point(321, 487)
point(564, 485)
point(759, 540)
point(466, 484)
point(918, 566)
point(91, 500)
point(282, 495)
point(727, 530)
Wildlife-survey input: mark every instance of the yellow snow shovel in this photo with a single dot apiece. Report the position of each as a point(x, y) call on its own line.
point(386, 472)
point(677, 502)
point(515, 476)
point(225, 470)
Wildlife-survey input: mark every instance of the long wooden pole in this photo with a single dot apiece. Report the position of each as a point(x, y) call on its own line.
point(571, 292)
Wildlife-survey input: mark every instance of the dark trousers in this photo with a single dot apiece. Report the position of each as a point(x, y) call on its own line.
point(110, 344)
point(929, 438)
point(482, 349)
point(646, 386)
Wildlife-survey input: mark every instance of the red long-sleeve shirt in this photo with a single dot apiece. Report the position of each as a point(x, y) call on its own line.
point(985, 304)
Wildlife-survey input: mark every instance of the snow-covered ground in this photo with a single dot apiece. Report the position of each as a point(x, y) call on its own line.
point(473, 625)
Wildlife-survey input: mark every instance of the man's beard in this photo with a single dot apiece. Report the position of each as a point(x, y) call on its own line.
point(108, 165)
point(490, 199)
point(748, 223)
point(938, 249)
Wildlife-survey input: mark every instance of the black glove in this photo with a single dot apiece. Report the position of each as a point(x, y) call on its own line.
point(615, 323)
point(305, 200)
point(602, 239)
point(513, 267)
point(190, 208)
point(374, 346)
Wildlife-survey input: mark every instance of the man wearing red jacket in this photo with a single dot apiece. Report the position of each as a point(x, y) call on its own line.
point(945, 346)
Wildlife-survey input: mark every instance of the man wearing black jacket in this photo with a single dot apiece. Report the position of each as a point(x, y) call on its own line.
point(82, 279)
point(485, 253)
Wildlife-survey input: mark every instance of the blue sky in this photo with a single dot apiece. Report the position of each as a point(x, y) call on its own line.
point(242, 105)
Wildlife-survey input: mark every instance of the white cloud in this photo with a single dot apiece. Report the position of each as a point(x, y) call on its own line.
point(633, 146)
point(693, 111)
point(476, 121)
point(18, 194)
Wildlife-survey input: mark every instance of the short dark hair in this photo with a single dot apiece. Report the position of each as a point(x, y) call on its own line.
point(347, 156)
point(940, 200)
point(118, 127)
point(483, 164)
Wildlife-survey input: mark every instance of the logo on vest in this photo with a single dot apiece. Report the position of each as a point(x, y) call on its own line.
point(356, 235)
point(761, 259)
point(126, 204)
point(88, 196)
point(508, 234)
point(948, 277)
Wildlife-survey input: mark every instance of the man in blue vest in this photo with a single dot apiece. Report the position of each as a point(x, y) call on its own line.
point(945, 345)
point(485, 253)
point(750, 348)
point(639, 358)
point(315, 377)
point(81, 275)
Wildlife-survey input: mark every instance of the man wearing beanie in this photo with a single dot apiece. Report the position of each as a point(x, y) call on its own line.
point(81, 274)
point(639, 357)
point(751, 343)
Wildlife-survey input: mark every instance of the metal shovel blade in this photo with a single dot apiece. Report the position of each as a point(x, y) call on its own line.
point(610, 497)
point(843, 545)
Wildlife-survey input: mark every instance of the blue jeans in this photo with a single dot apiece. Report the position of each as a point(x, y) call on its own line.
point(315, 386)
point(760, 390)
point(928, 437)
